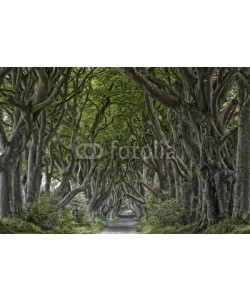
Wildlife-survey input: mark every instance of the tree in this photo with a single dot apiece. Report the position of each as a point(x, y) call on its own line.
point(197, 96)
point(31, 91)
point(242, 188)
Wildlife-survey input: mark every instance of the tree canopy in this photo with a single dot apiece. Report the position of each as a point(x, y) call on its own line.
point(171, 144)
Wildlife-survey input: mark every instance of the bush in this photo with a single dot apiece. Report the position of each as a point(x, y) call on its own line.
point(79, 208)
point(167, 213)
point(151, 202)
point(47, 215)
point(65, 219)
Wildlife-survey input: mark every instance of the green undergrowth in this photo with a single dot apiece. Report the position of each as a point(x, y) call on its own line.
point(166, 218)
point(143, 226)
point(17, 225)
point(20, 226)
point(228, 227)
point(45, 217)
point(224, 227)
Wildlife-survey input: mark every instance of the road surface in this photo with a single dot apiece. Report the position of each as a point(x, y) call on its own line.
point(124, 225)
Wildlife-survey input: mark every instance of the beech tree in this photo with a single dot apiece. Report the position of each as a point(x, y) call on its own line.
point(180, 135)
point(27, 91)
point(200, 97)
point(242, 188)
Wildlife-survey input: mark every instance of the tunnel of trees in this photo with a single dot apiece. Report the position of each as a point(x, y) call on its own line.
point(82, 144)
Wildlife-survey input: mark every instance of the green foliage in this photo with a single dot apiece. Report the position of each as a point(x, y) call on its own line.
point(92, 227)
point(165, 213)
point(65, 219)
point(17, 225)
point(47, 215)
point(144, 227)
point(42, 213)
point(244, 229)
point(151, 202)
point(79, 208)
point(226, 226)
point(163, 217)
point(20, 226)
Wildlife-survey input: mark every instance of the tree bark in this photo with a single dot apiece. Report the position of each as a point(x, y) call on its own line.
point(241, 208)
point(187, 194)
point(10, 189)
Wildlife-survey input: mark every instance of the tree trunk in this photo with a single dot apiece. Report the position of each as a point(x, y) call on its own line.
point(187, 193)
point(10, 189)
point(6, 191)
point(241, 208)
point(34, 174)
point(18, 191)
point(171, 182)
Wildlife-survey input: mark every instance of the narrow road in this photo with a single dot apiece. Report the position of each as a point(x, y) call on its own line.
point(125, 225)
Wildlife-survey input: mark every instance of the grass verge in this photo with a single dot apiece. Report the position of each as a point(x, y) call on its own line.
point(224, 227)
point(20, 226)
